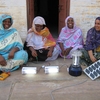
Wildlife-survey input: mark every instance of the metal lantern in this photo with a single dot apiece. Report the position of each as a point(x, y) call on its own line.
point(75, 68)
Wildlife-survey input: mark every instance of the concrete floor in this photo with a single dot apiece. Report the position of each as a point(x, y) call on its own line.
point(41, 86)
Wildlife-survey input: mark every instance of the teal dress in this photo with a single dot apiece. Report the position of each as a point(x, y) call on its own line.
point(9, 39)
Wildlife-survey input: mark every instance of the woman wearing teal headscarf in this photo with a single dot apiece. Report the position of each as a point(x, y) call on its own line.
point(12, 54)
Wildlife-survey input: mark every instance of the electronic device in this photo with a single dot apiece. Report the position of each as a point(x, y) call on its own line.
point(29, 70)
point(75, 68)
point(93, 71)
point(4, 75)
point(51, 69)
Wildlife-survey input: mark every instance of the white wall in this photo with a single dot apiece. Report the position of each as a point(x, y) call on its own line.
point(17, 9)
point(85, 12)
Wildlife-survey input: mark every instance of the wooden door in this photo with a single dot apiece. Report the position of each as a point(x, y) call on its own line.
point(30, 12)
point(64, 6)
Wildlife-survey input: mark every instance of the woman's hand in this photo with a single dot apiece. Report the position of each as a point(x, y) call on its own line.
point(12, 52)
point(11, 55)
point(63, 53)
point(67, 51)
point(50, 51)
point(49, 54)
point(2, 61)
point(34, 53)
point(62, 49)
point(93, 59)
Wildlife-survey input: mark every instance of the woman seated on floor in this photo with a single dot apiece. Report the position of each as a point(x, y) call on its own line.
point(91, 51)
point(70, 38)
point(40, 44)
point(12, 54)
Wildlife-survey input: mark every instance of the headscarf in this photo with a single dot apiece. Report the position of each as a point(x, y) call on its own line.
point(71, 31)
point(2, 30)
point(9, 38)
point(2, 18)
point(45, 33)
point(66, 33)
point(93, 38)
point(98, 18)
point(37, 20)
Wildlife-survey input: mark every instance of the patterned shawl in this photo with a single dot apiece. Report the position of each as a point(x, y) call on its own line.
point(45, 33)
point(9, 38)
point(92, 40)
point(70, 37)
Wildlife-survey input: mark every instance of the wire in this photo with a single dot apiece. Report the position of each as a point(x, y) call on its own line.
point(38, 62)
point(51, 93)
point(38, 69)
point(66, 87)
point(64, 57)
point(63, 65)
point(37, 59)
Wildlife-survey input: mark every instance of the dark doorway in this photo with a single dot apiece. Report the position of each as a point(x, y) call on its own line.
point(53, 11)
point(48, 9)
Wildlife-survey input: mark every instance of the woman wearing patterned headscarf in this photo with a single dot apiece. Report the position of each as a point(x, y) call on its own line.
point(40, 44)
point(70, 38)
point(91, 51)
point(12, 54)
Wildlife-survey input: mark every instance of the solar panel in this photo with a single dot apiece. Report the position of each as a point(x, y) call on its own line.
point(93, 71)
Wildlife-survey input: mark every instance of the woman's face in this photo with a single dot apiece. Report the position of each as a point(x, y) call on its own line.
point(7, 23)
point(70, 23)
point(38, 27)
point(97, 25)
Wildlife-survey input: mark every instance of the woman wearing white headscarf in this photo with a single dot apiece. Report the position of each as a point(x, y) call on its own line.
point(40, 44)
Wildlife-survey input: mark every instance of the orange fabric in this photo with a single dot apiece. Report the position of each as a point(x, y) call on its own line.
point(45, 33)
